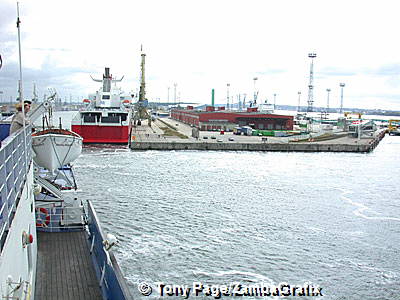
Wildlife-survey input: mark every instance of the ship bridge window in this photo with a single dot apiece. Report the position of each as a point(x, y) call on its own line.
point(105, 97)
point(110, 119)
point(91, 117)
point(123, 117)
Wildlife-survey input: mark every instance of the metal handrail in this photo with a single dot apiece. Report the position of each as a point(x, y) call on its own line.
point(15, 160)
point(112, 282)
point(305, 136)
point(56, 219)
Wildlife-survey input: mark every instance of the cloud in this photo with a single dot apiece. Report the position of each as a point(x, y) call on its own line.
point(386, 70)
point(339, 72)
point(205, 45)
point(7, 20)
point(51, 49)
point(270, 72)
point(49, 75)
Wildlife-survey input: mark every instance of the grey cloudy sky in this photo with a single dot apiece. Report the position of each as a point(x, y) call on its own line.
point(200, 45)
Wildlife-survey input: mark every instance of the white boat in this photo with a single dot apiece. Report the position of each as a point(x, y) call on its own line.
point(55, 148)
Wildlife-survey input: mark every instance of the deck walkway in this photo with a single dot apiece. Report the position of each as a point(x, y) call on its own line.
point(65, 270)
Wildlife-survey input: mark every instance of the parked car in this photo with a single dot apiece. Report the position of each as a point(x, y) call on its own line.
point(219, 141)
point(213, 137)
point(231, 139)
point(205, 137)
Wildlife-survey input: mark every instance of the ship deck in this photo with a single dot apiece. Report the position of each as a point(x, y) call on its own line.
point(65, 270)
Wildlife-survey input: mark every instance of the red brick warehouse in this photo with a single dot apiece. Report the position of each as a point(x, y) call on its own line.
point(211, 120)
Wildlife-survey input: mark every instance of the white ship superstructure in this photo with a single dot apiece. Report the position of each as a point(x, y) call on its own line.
point(106, 117)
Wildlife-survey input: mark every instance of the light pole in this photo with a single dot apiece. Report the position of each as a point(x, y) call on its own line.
point(255, 93)
point(310, 101)
point(175, 84)
point(342, 85)
point(298, 102)
point(227, 95)
point(327, 101)
point(274, 101)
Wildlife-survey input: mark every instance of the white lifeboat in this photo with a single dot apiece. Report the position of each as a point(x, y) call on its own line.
point(55, 148)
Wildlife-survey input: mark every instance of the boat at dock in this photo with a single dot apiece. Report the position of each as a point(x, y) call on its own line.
point(106, 117)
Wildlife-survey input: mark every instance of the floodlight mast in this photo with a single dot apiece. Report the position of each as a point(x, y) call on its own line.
point(310, 101)
point(255, 91)
point(342, 85)
point(298, 103)
point(227, 95)
point(327, 100)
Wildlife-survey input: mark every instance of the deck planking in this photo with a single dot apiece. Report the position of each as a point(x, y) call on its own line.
point(65, 270)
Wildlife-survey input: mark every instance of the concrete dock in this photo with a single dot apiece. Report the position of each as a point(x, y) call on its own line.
point(157, 137)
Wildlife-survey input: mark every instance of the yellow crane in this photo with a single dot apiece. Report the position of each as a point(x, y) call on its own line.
point(349, 115)
point(393, 125)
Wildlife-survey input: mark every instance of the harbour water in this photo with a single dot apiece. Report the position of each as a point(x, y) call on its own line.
point(328, 219)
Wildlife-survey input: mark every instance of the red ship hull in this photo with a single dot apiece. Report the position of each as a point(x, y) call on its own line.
point(94, 134)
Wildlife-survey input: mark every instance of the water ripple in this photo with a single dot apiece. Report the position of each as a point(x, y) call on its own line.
point(220, 217)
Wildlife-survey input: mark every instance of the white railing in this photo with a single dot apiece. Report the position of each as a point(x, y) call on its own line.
point(59, 217)
point(305, 136)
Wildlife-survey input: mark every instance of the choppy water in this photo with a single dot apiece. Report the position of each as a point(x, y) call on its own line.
point(331, 219)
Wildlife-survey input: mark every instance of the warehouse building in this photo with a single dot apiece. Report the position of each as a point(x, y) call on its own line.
point(211, 120)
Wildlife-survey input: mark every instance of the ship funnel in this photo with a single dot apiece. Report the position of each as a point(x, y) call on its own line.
point(106, 72)
point(106, 80)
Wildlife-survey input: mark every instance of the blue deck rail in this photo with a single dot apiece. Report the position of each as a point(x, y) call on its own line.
point(111, 280)
point(15, 160)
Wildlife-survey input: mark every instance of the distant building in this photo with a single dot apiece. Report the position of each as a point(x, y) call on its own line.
point(211, 120)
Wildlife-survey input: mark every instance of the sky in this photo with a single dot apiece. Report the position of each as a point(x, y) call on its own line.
point(205, 45)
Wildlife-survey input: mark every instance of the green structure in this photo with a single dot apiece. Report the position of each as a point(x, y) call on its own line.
point(212, 97)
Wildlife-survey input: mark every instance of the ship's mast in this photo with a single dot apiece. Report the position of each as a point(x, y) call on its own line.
point(35, 96)
point(21, 97)
point(20, 91)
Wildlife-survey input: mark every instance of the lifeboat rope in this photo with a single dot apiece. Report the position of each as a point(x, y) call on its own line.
point(62, 163)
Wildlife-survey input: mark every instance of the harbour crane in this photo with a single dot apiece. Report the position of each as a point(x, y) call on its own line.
point(140, 108)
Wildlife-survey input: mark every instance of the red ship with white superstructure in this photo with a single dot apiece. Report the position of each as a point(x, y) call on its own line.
point(106, 117)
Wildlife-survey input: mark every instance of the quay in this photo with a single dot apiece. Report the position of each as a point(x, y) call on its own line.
point(153, 138)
